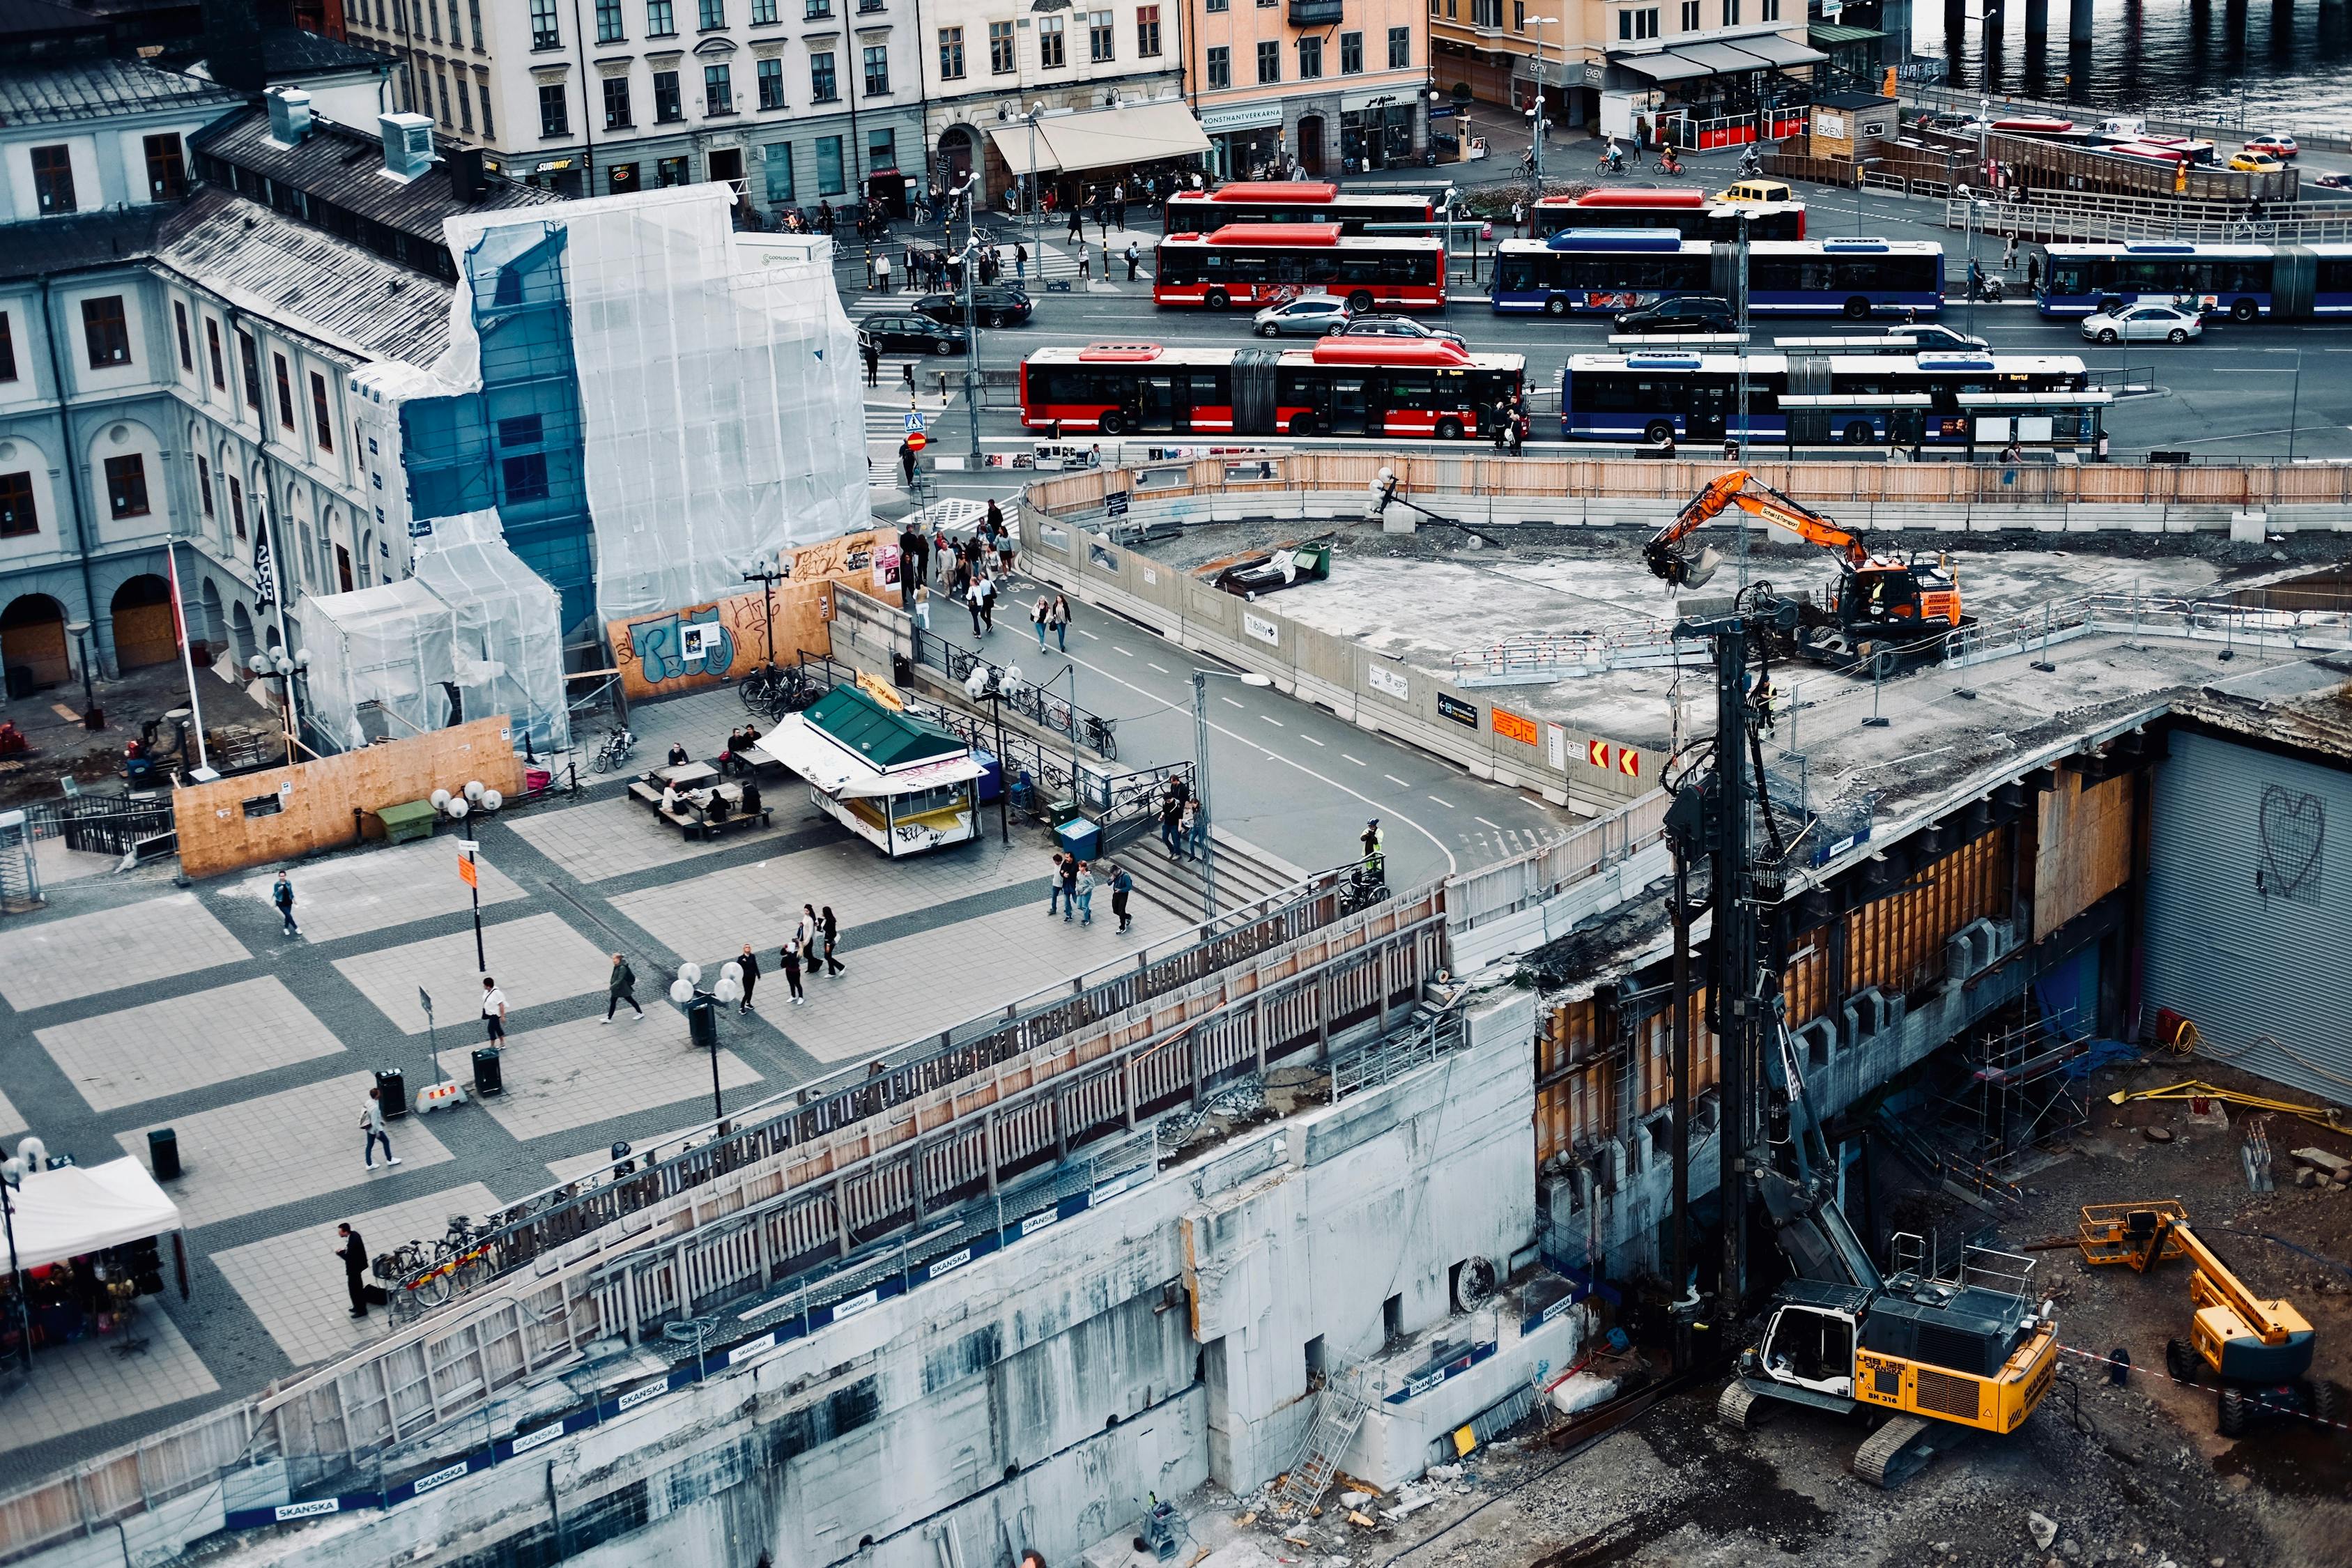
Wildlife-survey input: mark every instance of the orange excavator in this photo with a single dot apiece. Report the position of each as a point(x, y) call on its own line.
point(1882, 602)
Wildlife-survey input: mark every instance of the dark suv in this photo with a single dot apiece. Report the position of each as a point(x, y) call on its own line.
point(996, 305)
point(1689, 313)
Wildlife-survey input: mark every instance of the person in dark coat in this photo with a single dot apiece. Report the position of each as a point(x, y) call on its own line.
point(353, 1252)
point(750, 962)
point(832, 929)
point(789, 955)
point(621, 987)
point(1122, 885)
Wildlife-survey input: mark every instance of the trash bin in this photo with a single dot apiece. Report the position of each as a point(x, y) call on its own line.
point(487, 1080)
point(991, 783)
point(1080, 836)
point(392, 1090)
point(164, 1153)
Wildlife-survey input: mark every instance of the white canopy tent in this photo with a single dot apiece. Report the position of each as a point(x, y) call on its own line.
point(82, 1209)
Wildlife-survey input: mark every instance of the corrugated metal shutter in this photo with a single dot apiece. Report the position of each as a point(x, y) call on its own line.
point(2250, 909)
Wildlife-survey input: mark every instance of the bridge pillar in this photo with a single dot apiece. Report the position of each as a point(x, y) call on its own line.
point(2037, 18)
point(2078, 21)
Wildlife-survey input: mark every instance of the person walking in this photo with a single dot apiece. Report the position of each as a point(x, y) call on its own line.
point(281, 893)
point(1122, 885)
point(2009, 255)
point(1021, 265)
point(1172, 817)
point(907, 464)
point(831, 928)
point(1086, 264)
point(971, 601)
point(371, 1123)
point(1054, 887)
point(621, 987)
point(985, 581)
point(789, 955)
point(923, 605)
point(750, 962)
point(1085, 894)
point(1196, 829)
point(1070, 864)
point(494, 1009)
point(1132, 256)
point(1039, 612)
point(882, 274)
point(873, 352)
point(1077, 235)
point(353, 1252)
point(1060, 617)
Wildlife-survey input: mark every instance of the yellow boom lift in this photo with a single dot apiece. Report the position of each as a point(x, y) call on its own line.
point(1882, 601)
point(2259, 1350)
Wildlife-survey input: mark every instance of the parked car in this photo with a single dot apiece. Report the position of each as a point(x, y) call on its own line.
point(1756, 191)
point(890, 331)
point(1398, 327)
point(1309, 315)
point(2277, 143)
point(2143, 323)
point(2251, 163)
point(1934, 337)
point(996, 305)
point(1687, 314)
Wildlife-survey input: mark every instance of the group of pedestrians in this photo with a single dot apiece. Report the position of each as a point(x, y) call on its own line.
point(1070, 891)
point(1182, 827)
point(1051, 613)
point(810, 949)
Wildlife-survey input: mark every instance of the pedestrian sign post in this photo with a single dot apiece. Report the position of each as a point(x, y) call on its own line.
point(468, 874)
point(914, 421)
point(433, 1038)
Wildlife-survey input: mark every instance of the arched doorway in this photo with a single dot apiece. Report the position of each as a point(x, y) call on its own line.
point(956, 155)
point(240, 633)
point(33, 644)
point(1310, 143)
point(214, 626)
point(143, 633)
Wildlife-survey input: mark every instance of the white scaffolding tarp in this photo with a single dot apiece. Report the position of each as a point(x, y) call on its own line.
point(392, 645)
point(509, 654)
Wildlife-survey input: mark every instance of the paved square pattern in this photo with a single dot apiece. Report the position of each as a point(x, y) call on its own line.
point(711, 917)
point(281, 1148)
point(536, 959)
point(587, 1071)
point(385, 888)
point(165, 1047)
point(919, 984)
point(11, 1121)
point(614, 837)
point(87, 1383)
point(111, 951)
point(294, 1283)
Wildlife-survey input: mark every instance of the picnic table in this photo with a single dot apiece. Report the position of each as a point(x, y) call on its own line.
point(689, 815)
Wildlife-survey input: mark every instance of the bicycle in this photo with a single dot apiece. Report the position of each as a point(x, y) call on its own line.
point(614, 752)
point(770, 691)
point(1100, 738)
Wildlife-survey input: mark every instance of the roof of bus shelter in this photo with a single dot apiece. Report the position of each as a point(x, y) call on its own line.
point(1728, 57)
point(1100, 138)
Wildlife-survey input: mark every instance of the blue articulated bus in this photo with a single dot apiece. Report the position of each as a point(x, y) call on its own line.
point(1674, 396)
point(1586, 272)
point(2290, 282)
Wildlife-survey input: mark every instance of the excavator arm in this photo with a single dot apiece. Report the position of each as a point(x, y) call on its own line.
point(1668, 560)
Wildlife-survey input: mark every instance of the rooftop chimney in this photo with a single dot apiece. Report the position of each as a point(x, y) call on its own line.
point(407, 144)
point(290, 114)
point(466, 180)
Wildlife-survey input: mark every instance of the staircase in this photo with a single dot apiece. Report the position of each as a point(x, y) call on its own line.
point(1244, 872)
point(1338, 1413)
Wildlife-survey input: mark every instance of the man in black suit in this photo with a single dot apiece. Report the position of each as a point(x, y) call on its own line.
point(353, 1252)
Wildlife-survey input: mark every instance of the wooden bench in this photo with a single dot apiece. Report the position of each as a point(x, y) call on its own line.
point(692, 825)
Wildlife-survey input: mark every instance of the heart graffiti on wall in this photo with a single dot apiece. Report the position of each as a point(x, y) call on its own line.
point(2293, 829)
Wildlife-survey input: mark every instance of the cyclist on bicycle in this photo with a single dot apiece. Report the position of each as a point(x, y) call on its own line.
point(1375, 843)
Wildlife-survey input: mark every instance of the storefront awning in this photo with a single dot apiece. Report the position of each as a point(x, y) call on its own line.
point(1724, 59)
point(809, 753)
point(1114, 138)
point(1778, 50)
point(87, 1209)
point(914, 781)
point(1015, 141)
point(1663, 65)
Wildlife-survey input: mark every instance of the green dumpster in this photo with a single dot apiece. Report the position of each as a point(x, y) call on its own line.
point(411, 819)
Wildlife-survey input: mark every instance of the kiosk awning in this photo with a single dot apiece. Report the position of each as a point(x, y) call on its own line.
point(1101, 138)
point(810, 752)
point(1778, 50)
point(915, 780)
point(1663, 65)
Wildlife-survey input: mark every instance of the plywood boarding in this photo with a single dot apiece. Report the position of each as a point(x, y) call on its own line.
point(646, 650)
point(2083, 847)
point(317, 800)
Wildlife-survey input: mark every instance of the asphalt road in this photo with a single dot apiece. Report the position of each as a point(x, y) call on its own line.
point(1283, 773)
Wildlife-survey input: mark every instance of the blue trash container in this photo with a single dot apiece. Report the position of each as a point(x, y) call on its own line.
point(1082, 837)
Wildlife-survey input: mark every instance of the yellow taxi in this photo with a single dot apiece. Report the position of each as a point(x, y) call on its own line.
point(1755, 191)
point(2252, 163)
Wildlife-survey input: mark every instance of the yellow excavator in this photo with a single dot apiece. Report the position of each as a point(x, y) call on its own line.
point(1881, 602)
point(2259, 1350)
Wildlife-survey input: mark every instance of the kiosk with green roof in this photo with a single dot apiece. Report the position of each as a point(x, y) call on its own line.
point(901, 784)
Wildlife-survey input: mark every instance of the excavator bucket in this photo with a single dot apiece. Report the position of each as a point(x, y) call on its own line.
point(1693, 571)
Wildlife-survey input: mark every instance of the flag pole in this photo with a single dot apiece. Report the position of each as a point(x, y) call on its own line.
point(187, 654)
point(266, 580)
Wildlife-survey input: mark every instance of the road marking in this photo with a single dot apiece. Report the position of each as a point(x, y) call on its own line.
point(1394, 779)
point(1496, 826)
point(1155, 667)
point(1084, 633)
point(1228, 701)
point(1115, 648)
point(1361, 763)
point(1276, 722)
point(1310, 740)
point(1443, 801)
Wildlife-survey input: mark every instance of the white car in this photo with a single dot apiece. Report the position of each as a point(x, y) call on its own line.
point(2143, 323)
point(1309, 315)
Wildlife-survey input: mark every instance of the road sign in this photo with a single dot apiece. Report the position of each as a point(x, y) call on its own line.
point(425, 998)
point(914, 420)
point(917, 440)
point(1115, 503)
point(465, 872)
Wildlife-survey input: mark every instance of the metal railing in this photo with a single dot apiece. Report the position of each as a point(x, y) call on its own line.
point(2091, 215)
point(1024, 697)
point(2257, 629)
point(1966, 101)
point(1474, 896)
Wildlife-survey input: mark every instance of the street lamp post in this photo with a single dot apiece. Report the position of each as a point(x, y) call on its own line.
point(972, 331)
point(1539, 119)
point(12, 1181)
point(767, 577)
point(1201, 679)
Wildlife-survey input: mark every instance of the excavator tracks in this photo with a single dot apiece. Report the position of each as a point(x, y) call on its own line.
point(1736, 1408)
point(1895, 1452)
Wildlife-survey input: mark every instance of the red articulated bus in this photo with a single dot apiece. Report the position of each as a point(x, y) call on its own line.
point(1392, 387)
point(1253, 264)
point(1290, 201)
point(1693, 213)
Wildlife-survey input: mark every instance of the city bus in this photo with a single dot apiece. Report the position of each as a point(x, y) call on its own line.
point(1603, 270)
point(1291, 201)
point(1689, 213)
point(2241, 281)
point(1263, 264)
point(1417, 387)
point(1674, 396)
